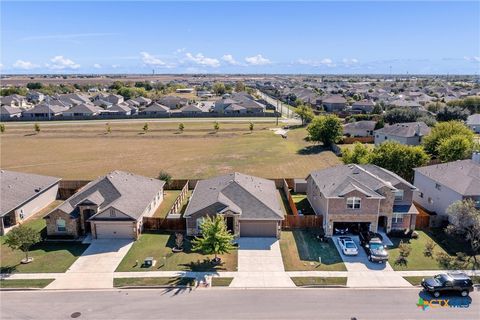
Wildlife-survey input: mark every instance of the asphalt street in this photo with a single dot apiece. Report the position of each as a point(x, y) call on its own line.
point(224, 304)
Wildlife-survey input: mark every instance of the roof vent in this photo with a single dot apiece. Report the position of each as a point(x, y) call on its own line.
point(37, 189)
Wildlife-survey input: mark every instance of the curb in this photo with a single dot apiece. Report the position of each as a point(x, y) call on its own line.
point(21, 289)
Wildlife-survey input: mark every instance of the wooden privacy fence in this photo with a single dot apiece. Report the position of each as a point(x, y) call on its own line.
point(152, 223)
point(302, 222)
point(177, 205)
point(286, 191)
point(422, 221)
point(348, 140)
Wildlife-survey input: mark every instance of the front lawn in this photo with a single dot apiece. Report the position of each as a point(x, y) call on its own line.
point(221, 281)
point(159, 246)
point(300, 252)
point(153, 281)
point(319, 281)
point(417, 260)
point(25, 283)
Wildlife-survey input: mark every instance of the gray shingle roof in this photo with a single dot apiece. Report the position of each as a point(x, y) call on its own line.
point(462, 176)
point(337, 181)
point(363, 124)
point(252, 197)
point(126, 192)
point(407, 129)
point(17, 188)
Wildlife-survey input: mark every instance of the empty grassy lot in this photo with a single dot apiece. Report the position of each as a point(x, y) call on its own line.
point(85, 151)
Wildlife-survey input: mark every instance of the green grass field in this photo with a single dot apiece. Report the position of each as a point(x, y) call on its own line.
point(85, 151)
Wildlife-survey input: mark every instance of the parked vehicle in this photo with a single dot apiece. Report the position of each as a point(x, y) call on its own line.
point(341, 231)
point(366, 236)
point(448, 282)
point(348, 246)
point(375, 250)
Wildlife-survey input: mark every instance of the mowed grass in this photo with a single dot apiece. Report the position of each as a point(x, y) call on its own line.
point(221, 281)
point(25, 283)
point(153, 281)
point(160, 245)
point(300, 252)
point(319, 281)
point(167, 203)
point(85, 151)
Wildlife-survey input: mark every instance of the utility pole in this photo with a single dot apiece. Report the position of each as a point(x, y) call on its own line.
point(48, 104)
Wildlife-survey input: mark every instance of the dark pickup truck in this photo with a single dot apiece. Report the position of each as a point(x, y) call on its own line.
point(373, 246)
point(448, 282)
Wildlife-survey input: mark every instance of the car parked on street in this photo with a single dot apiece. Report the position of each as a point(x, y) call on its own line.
point(448, 282)
point(348, 246)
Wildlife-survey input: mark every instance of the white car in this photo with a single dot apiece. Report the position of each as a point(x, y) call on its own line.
point(349, 248)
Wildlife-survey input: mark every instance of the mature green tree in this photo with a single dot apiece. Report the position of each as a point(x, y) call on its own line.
point(399, 158)
point(326, 129)
point(239, 86)
point(305, 113)
point(464, 219)
point(452, 113)
point(215, 237)
point(377, 109)
point(401, 115)
point(164, 176)
point(298, 102)
point(219, 88)
point(22, 238)
point(34, 85)
point(456, 147)
point(442, 131)
point(359, 154)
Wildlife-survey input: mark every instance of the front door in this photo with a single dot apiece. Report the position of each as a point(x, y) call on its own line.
point(86, 215)
point(230, 225)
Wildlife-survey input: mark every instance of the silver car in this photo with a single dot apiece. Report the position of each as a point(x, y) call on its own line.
point(348, 246)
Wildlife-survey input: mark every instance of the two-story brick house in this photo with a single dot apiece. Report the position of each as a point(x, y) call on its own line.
point(361, 196)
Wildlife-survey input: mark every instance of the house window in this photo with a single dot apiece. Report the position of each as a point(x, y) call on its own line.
point(199, 223)
point(353, 203)
point(61, 226)
point(397, 218)
point(438, 187)
point(398, 195)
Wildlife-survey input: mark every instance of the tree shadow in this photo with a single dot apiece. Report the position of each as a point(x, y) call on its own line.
point(314, 149)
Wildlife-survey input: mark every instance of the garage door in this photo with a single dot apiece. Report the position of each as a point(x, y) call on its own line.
point(114, 230)
point(258, 228)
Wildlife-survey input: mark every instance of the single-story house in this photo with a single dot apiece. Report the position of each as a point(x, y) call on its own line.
point(45, 111)
point(22, 195)
point(111, 206)
point(250, 205)
point(121, 109)
point(359, 128)
point(363, 105)
point(191, 109)
point(473, 122)
point(410, 133)
point(442, 184)
point(142, 101)
point(83, 110)
point(173, 102)
point(334, 103)
point(366, 197)
point(156, 109)
point(7, 112)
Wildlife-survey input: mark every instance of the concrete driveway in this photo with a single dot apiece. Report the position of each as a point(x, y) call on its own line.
point(95, 267)
point(363, 273)
point(260, 264)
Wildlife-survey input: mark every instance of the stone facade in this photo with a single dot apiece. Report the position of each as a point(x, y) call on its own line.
point(72, 225)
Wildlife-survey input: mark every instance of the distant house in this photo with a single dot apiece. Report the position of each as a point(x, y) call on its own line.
point(102, 103)
point(120, 109)
point(191, 109)
point(111, 206)
point(112, 98)
point(185, 90)
point(83, 110)
point(14, 100)
point(334, 103)
point(173, 102)
point(362, 197)
point(156, 109)
point(473, 122)
point(250, 205)
point(359, 128)
point(238, 103)
point(45, 111)
point(410, 133)
point(142, 101)
point(401, 103)
point(35, 96)
point(22, 195)
point(442, 184)
point(7, 112)
point(363, 105)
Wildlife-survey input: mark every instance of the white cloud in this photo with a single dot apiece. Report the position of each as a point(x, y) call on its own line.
point(472, 59)
point(150, 60)
point(228, 58)
point(200, 59)
point(97, 66)
point(25, 65)
point(60, 63)
point(115, 66)
point(257, 60)
point(350, 61)
point(315, 63)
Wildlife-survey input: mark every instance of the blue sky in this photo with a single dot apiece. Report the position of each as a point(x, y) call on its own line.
point(240, 37)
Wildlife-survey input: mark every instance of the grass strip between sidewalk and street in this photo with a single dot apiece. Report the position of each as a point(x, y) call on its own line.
point(25, 283)
point(221, 281)
point(319, 281)
point(153, 281)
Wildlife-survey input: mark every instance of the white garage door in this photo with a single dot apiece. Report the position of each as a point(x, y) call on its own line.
point(114, 230)
point(251, 228)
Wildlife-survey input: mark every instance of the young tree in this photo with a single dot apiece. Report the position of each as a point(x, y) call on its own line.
point(2, 128)
point(22, 238)
point(444, 130)
point(108, 128)
point(216, 126)
point(181, 127)
point(326, 129)
point(399, 158)
point(215, 238)
point(456, 147)
point(359, 154)
point(464, 219)
point(164, 176)
point(404, 250)
point(145, 127)
point(36, 127)
point(305, 113)
point(429, 248)
point(250, 126)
